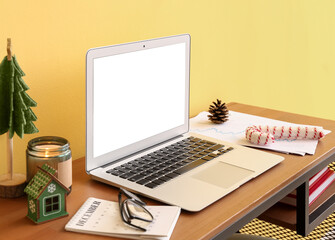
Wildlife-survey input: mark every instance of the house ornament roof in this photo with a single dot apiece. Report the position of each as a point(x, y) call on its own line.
point(39, 182)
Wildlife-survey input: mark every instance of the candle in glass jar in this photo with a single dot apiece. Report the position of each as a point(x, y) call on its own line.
point(56, 152)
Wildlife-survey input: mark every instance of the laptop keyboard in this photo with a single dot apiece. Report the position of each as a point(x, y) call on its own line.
point(169, 162)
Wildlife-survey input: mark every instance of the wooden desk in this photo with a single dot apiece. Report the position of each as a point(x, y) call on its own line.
point(220, 219)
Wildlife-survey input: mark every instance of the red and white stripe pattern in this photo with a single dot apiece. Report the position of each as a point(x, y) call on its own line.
point(264, 134)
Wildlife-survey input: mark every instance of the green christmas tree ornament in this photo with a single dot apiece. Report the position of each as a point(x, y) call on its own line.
point(15, 110)
point(16, 115)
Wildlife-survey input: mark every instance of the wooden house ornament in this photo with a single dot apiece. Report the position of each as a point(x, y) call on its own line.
point(46, 196)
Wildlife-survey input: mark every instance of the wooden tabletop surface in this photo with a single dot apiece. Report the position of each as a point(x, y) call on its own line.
point(202, 225)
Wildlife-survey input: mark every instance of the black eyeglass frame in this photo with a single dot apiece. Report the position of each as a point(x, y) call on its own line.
point(126, 214)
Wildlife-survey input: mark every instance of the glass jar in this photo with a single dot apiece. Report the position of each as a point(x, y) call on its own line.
point(56, 152)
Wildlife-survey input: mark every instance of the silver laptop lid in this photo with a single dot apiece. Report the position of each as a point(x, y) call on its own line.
point(137, 95)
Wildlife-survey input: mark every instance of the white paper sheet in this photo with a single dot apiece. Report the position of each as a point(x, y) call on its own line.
point(234, 131)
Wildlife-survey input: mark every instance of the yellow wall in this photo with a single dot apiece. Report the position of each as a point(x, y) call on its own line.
point(277, 54)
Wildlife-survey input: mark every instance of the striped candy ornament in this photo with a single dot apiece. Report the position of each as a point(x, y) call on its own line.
point(265, 134)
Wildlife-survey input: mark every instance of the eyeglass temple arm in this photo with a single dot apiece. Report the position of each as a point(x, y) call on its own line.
point(133, 196)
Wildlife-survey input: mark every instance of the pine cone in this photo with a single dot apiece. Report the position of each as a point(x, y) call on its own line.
point(219, 112)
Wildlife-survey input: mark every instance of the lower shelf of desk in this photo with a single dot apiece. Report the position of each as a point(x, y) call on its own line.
point(286, 216)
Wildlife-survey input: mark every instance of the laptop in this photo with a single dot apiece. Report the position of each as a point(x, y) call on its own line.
point(137, 128)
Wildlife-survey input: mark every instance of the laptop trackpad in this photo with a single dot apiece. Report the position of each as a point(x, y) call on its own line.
point(223, 174)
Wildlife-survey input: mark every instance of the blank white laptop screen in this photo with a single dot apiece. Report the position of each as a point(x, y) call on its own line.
point(137, 95)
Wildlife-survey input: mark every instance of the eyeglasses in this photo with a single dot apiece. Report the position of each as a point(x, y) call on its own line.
point(133, 211)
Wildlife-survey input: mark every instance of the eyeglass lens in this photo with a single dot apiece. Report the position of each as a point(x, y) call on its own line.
point(137, 211)
point(133, 211)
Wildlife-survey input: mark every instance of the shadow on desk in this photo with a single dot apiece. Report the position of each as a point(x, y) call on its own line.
point(238, 236)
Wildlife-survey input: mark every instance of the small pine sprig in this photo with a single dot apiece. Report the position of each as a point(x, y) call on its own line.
point(219, 112)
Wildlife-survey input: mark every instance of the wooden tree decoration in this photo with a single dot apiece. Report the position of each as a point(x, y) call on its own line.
point(16, 116)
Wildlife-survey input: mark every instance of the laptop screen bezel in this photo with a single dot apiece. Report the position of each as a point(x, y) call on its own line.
point(95, 162)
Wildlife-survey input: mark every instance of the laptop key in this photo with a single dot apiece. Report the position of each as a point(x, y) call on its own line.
point(171, 168)
point(180, 164)
point(178, 152)
point(188, 143)
point(156, 168)
point(147, 158)
point(162, 172)
point(164, 165)
point(154, 175)
point(198, 149)
point(147, 172)
point(159, 161)
point(154, 163)
point(130, 165)
point(186, 154)
point(195, 139)
point(190, 166)
point(188, 160)
point(216, 147)
point(120, 169)
point(141, 163)
point(164, 178)
point(147, 166)
point(208, 143)
point(126, 175)
point(172, 175)
point(140, 169)
point(151, 185)
point(207, 158)
point(208, 151)
point(177, 159)
point(117, 173)
point(172, 161)
point(136, 177)
point(157, 182)
point(137, 163)
point(149, 179)
point(193, 158)
point(166, 158)
point(202, 153)
point(202, 147)
point(173, 155)
point(160, 154)
point(170, 149)
point(143, 181)
point(211, 143)
point(114, 172)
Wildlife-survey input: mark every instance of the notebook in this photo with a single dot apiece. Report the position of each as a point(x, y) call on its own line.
point(102, 217)
point(137, 128)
